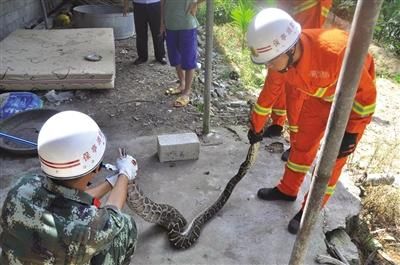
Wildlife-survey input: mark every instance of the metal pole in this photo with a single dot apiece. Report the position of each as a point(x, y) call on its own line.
point(366, 14)
point(46, 21)
point(17, 139)
point(208, 66)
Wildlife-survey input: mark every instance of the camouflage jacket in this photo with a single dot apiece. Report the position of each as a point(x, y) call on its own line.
point(45, 223)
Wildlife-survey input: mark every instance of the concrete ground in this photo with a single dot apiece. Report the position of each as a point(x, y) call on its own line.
point(246, 231)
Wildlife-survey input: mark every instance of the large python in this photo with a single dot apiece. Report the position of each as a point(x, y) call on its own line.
point(171, 219)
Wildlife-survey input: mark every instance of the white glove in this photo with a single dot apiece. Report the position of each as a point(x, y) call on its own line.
point(112, 179)
point(127, 165)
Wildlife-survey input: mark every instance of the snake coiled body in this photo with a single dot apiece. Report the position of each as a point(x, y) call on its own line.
point(171, 219)
point(162, 214)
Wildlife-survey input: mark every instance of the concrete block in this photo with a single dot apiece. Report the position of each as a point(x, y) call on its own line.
point(175, 147)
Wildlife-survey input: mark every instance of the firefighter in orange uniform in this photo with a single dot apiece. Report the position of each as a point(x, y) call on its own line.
point(309, 14)
point(310, 61)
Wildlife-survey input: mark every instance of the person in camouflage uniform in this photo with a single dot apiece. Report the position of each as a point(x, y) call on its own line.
point(54, 218)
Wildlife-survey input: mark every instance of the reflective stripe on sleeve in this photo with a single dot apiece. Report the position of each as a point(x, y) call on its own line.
point(363, 110)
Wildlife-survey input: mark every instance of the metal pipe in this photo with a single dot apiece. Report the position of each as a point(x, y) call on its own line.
point(17, 139)
point(46, 21)
point(361, 32)
point(208, 66)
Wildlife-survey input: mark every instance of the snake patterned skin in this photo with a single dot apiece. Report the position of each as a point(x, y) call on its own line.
point(162, 214)
point(172, 220)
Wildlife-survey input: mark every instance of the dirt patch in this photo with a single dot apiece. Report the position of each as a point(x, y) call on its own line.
point(138, 102)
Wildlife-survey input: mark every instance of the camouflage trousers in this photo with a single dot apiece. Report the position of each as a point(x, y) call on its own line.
point(122, 248)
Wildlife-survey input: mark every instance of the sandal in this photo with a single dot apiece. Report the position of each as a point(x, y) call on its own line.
point(173, 91)
point(182, 101)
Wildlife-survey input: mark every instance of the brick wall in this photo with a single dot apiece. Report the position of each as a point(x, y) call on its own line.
point(17, 14)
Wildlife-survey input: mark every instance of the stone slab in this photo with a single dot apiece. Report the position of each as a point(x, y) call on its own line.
point(54, 59)
point(175, 147)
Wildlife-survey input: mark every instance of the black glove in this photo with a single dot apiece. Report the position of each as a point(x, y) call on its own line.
point(348, 145)
point(254, 137)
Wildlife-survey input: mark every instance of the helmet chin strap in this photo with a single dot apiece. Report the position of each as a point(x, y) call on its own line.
point(290, 54)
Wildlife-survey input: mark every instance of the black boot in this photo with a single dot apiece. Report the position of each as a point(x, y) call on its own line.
point(294, 224)
point(273, 194)
point(285, 155)
point(273, 130)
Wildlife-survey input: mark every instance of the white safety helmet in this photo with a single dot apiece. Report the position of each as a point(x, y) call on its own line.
point(70, 145)
point(271, 33)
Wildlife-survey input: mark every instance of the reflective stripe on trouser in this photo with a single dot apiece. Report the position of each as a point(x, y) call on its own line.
point(309, 15)
point(303, 6)
point(312, 124)
point(337, 170)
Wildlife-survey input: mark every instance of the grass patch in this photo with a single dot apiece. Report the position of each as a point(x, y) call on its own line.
point(228, 40)
point(386, 75)
point(397, 78)
point(382, 156)
point(381, 212)
point(382, 204)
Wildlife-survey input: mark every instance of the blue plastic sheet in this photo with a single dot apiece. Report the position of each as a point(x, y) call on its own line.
point(14, 102)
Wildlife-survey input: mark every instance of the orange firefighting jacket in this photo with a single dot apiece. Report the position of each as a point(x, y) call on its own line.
point(316, 74)
point(309, 13)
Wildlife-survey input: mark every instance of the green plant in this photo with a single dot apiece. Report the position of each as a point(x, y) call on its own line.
point(387, 29)
point(251, 75)
point(344, 8)
point(241, 16)
point(201, 14)
point(222, 11)
point(200, 107)
point(397, 78)
point(384, 73)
